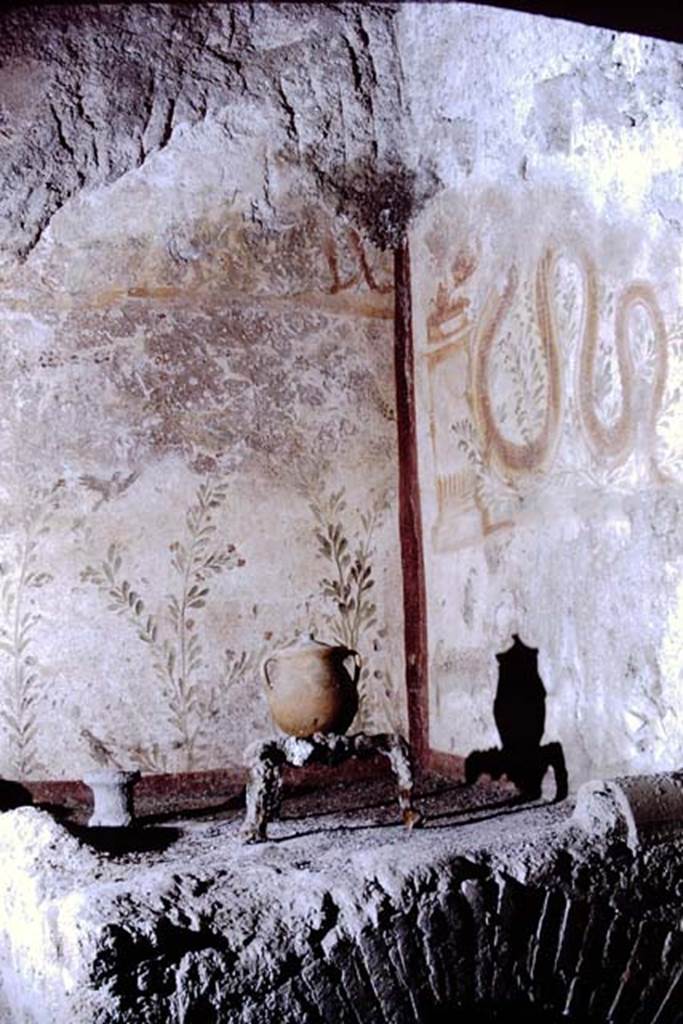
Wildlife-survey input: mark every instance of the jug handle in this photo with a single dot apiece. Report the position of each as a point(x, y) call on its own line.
point(264, 670)
point(358, 661)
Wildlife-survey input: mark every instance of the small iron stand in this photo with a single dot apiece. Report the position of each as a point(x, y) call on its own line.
point(266, 759)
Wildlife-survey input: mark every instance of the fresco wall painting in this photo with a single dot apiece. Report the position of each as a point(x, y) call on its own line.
point(212, 442)
point(549, 399)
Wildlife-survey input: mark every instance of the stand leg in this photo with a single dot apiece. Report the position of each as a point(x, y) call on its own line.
point(263, 791)
point(395, 748)
point(265, 761)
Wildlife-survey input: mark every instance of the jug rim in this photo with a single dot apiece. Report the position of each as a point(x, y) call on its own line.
point(306, 641)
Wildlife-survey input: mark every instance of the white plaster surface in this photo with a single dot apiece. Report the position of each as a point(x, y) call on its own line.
point(563, 146)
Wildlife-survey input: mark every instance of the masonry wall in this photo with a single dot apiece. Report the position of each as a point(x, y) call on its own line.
point(548, 291)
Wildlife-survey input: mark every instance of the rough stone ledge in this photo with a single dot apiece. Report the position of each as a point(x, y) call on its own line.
point(340, 918)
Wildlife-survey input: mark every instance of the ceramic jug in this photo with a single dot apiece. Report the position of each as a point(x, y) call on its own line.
point(309, 689)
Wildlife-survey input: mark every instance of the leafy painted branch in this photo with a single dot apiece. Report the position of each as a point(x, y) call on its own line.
point(125, 601)
point(23, 687)
point(122, 598)
point(350, 580)
point(195, 562)
point(526, 367)
point(178, 659)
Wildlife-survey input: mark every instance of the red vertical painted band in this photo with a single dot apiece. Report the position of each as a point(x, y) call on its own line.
point(410, 519)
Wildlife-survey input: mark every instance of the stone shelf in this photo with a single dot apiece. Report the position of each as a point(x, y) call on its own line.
point(341, 916)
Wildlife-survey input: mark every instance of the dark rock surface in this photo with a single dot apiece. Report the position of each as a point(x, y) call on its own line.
point(89, 92)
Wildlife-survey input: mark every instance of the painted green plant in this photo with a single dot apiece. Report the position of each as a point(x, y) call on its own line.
point(350, 559)
point(24, 687)
point(240, 669)
point(178, 656)
point(525, 366)
point(493, 492)
point(345, 544)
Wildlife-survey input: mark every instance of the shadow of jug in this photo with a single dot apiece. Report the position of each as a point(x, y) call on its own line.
point(519, 714)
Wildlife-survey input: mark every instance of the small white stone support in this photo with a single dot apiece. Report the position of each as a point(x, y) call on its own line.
point(639, 809)
point(113, 793)
point(265, 761)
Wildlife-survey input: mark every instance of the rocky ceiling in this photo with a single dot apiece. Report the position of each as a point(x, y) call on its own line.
point(89, 92)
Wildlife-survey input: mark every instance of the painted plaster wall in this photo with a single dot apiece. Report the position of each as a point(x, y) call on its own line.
point(197, 435)
point(197, 351)
point(548, 317)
